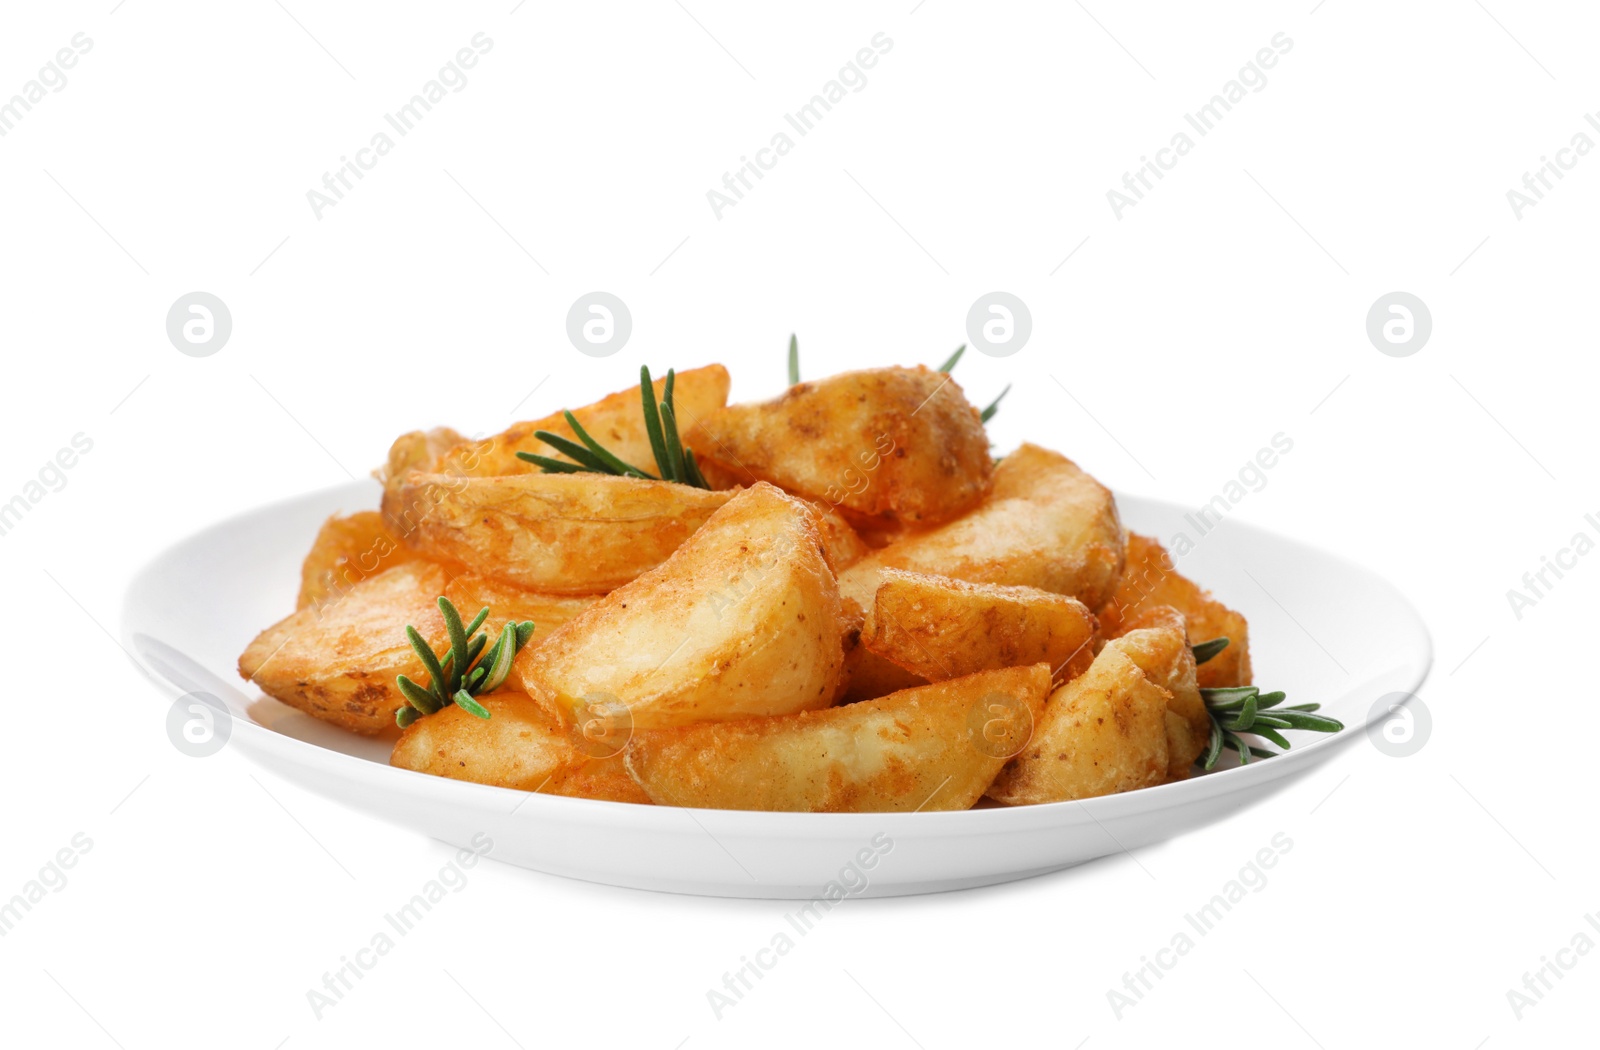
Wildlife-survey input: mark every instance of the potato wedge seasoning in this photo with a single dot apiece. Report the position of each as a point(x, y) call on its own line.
point(934, 747)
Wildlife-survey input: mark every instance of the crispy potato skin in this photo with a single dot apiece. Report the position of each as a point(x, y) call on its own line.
point(884, 445)
point(915, 749)
point(1157, 641)
point(557, 533)
point(1103, 732)
point(339, 661)
point(938, 627)
point(347, 550)
point(518, 746)
point(741, 620)
point(1151, 580)
point(1045, 524)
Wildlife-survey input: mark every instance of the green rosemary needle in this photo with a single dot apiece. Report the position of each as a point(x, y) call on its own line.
point(457, 679)
point(950, 362)
point(588, 456)
point(1246, 709)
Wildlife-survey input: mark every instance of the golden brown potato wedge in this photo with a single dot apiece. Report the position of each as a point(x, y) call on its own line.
point(420, 450)
point(741, 620)
point(934, 747)
point(1045, 524)
point(1103, 732)
point(616, 421)
point(885, 445)
point(843, 545)
point(470, 592)
point(339, 661)
point(557, 533)
point(517, 746)
point(1157, 641)
point(938, 628)
point(347, 550)
point(604, 779)
point(1150, 580)
point(867, 675)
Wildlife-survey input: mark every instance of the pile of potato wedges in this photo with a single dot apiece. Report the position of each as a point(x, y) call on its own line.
point(866, 611)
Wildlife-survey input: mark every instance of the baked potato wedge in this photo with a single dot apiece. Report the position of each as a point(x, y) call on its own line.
point(1045, 524)
point(741, 620)
point(419, 450)
point(1157, 641)
point(884, 445)
point(867, 675)
point(937, 627)
point(1151, 580)
point(556, 533)
point(1101, 733)
point(602, 779)
point(517, 746)
point(347, 550)
point(338, 662)
point(615, 421)
point(934, 747)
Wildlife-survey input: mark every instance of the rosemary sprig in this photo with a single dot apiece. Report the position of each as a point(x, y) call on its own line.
point(994, 406)
point(456, 679)
point(588, 456)
point(950, 362)
point(1246, 709)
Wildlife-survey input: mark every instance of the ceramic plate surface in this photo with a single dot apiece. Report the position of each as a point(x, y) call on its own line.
point(1321, 628)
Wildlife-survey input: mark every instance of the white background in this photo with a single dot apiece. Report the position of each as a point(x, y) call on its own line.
point(1229, 305)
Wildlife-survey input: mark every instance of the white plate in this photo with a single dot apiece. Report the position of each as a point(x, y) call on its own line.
point(1328, 631)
